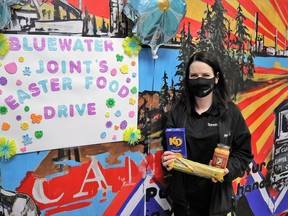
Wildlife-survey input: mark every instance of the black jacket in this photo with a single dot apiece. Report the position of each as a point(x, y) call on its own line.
point(232, 124)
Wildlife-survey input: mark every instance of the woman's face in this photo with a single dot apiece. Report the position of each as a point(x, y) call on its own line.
point(202, 81)
point(200, 69)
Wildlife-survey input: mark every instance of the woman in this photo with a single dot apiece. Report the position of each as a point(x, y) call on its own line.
point(209, 117)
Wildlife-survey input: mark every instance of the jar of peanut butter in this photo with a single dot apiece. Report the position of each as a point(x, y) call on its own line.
point(221, 155)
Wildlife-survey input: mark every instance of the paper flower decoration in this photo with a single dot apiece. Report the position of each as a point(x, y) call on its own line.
point(4, 45)
point(110, 102)
point(132, 135)
point(3, 110)
point(155, 21)
point(15, 2)
point(131, 46)
point(7, 148)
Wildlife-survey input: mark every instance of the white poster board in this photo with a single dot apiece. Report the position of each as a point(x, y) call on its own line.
point(61, 91)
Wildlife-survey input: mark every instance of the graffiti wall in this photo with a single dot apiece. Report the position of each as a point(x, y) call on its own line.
point(110, 177)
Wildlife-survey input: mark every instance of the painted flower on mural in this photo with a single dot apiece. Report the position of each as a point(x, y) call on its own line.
point(5, 13)
point(16, 3)
point(132, 135)
point(7, 148)
point(4, 45)
point(5, 10)
point(131, 45)
point(155, 21)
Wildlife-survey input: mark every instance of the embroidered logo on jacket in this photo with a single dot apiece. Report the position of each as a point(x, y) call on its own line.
point(212, 124)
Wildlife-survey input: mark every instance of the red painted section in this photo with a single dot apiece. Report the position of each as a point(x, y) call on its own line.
point(52, 191)
point(266, 149)
point(195, 26)
point(99, 8)
point(84, 184)
point(282, 5)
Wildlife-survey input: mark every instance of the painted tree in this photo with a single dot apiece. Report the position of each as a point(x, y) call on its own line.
point(86, 20)
point(204, 43)
point(104, 27)
point(173, 99)
point(250, 69)
point(94, 21)
point(187, 48)
point(164, 93)
point(217, 33)
point(242, 43)
point(217, 29)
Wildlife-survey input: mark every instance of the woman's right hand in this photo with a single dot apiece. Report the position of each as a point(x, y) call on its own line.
point(166, 159)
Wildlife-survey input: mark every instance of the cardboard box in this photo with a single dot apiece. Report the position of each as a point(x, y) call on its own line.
point(176, 141)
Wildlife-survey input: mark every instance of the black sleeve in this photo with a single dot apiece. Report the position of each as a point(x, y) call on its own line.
point(241, 150)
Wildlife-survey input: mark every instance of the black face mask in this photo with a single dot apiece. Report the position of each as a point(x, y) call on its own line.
point(201, 87)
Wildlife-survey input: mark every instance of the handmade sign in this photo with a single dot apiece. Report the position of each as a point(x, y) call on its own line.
point(61, 91)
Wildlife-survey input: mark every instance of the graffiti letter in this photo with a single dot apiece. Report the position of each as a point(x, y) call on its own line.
point(39, 194)
point(150, 193)
point(99, 178)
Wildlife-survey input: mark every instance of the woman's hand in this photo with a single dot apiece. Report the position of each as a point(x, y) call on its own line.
point(166, 159)
point(226, 171)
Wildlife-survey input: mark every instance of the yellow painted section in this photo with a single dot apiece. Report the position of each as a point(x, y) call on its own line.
point(279, 66)
point(267, 77)
point(251, 107)
point(265, 135)
point(195, 9)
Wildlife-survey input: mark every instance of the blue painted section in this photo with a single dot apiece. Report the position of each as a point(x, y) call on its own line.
point(14, 170)
point(151, 71)
point(269, 62)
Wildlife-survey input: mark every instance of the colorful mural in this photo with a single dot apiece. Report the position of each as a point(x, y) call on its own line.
point(117, 179)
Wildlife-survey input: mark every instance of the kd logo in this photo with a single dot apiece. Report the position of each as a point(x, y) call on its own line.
point(175, 141)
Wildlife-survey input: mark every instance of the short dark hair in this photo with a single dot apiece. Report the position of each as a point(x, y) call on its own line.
point(220, 93)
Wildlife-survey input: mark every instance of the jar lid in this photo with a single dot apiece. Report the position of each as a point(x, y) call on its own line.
point(223, 146)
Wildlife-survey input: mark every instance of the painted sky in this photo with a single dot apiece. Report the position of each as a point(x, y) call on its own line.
point(272, 16)
point(152, 70)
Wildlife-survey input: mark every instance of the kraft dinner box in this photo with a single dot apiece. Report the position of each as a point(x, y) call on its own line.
point(176, 141)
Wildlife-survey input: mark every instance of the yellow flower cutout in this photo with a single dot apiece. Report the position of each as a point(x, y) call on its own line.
point(21, 59)
point(132, 101)
point(131, 46)
point(24, 125)
point(4, 45)
point(7, 148)
point(132, 135)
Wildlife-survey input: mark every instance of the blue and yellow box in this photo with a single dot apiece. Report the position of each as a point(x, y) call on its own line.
point(176, 141)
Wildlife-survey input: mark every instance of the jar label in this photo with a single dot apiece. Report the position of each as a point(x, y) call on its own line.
point(219, 160)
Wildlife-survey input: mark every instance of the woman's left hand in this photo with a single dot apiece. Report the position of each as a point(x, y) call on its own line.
point(226, 171)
